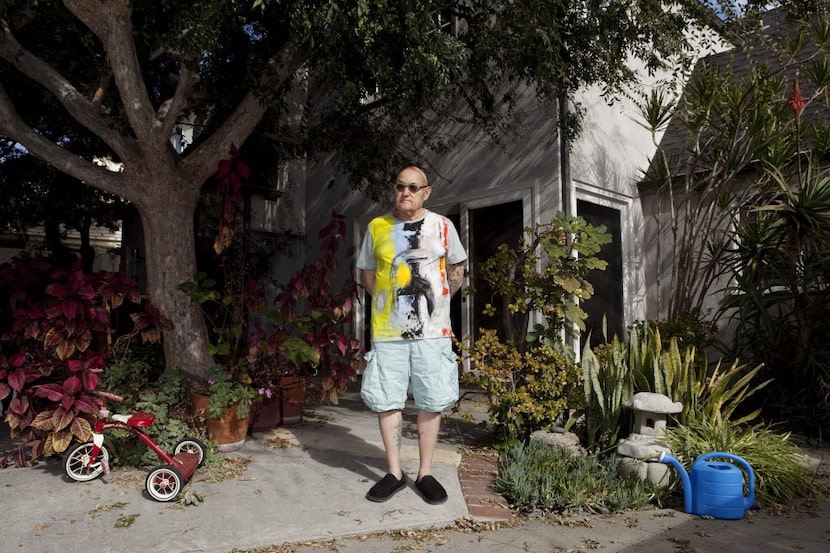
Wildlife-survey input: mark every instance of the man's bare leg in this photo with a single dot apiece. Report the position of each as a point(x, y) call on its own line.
point(428, 426)
point(391, 423)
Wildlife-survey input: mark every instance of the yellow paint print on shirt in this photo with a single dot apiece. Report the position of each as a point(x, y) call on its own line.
point(384, 251)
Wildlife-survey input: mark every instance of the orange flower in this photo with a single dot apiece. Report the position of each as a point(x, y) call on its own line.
point(796, 101)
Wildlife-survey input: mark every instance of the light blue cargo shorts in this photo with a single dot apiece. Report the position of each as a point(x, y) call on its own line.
point(430, 365)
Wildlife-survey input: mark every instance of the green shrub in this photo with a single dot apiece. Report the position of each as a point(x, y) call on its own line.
point(528, 372)
point(777, 298)
point(144, 389)
point(691, 329)
point(535, 475)
point(528, 391)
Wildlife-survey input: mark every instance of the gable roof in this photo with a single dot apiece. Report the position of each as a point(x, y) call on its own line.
point(751, 52)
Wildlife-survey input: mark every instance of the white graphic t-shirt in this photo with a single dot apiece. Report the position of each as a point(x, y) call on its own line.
point(411, 298)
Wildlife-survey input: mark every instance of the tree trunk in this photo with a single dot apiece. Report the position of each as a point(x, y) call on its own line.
point(87, 252)
point(170, 255)
point(61, 255)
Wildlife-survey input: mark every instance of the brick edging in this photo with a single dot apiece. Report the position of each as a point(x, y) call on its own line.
point(477, 473)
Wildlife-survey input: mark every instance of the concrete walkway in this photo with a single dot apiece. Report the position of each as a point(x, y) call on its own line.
point(302, 489)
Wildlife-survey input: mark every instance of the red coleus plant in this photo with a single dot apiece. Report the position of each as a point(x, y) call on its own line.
point(230, 176)
point(56, 327)
point(310, 325)
point(70, 405)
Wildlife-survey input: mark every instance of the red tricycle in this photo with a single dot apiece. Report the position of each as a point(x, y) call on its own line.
point(86, 461)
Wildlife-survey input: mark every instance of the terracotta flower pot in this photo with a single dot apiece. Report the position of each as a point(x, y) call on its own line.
point(292, 395)
point(229, 431)
point(266, 414)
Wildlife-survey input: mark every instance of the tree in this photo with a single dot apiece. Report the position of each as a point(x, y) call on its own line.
point(731, 125)
point(126, 74)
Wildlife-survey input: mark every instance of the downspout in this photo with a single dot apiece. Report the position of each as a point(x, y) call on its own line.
point(564, 155)
point(571, 333)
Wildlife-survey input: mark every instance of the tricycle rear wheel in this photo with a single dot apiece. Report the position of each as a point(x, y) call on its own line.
point(191, 445)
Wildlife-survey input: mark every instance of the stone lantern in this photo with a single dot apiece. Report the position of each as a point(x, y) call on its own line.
point(638, 454)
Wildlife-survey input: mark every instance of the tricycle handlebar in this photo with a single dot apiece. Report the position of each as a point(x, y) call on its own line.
point(100, 393)
point(107, 395)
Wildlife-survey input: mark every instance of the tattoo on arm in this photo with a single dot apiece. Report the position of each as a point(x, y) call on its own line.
point(455, 277)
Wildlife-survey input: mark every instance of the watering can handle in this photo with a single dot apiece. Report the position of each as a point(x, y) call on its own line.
point(751, 475)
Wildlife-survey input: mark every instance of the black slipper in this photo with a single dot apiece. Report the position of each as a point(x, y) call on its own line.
point(386, 488)
point(431, 490)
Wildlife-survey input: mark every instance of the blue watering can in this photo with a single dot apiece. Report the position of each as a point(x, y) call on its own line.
point(715, 488)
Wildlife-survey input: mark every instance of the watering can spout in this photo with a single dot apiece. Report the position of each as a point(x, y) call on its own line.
point(667, 459)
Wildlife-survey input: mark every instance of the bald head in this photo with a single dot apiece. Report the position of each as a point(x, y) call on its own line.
point(412, 170)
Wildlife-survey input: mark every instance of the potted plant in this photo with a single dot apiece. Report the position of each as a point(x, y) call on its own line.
point(281, 379)
point(223, 399)
point(224, 402)
point(309, 325)
point(268, 352)
point(284, 353)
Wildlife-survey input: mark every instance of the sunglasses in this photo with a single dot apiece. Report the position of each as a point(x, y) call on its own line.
point(413, 188)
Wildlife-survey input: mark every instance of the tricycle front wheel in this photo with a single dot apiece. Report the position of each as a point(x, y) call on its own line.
point(164, 483)
point(79, 464)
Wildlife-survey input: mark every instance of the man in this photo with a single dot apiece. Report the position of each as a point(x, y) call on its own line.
point(412, 262)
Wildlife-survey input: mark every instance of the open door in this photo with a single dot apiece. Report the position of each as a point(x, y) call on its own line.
point(608, 284)
point(489, 227)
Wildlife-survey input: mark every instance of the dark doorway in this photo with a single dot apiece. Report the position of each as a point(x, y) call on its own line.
point(458, 298)
point(608, 284)
point(490, 227)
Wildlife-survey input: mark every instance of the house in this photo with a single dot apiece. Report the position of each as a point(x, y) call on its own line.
point(492, 192)
point(106, 243)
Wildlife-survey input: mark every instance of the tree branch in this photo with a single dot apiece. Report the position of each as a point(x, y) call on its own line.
point(15, 128)
point(82, 110)
point(169, 111)
point(201, 162)
point(111, 21)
